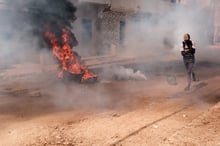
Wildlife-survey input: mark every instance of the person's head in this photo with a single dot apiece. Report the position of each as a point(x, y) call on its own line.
point(186, 37)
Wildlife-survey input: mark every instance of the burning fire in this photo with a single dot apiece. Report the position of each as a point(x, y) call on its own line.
point(70, 61)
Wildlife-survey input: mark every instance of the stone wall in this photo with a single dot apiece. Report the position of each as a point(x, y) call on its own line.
point(110, 30)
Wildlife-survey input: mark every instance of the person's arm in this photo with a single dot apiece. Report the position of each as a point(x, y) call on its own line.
point(193, 49)
point(182, 50)
point(183, 53)
point(193, 45)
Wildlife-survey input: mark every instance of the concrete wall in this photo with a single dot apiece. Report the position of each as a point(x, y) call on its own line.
point(110, 30)
point(105, 29)
point(90, 13)
point(106, 32)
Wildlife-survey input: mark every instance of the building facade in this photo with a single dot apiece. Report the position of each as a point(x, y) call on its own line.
point(101, 25)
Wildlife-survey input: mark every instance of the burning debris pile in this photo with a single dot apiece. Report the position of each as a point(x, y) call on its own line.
point(51, 22)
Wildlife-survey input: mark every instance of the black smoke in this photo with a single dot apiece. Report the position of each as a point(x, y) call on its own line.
point(56, 14)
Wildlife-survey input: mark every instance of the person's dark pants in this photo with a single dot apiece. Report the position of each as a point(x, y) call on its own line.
point(190, 74)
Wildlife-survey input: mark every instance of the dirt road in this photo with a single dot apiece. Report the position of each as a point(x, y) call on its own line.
point(41, 111)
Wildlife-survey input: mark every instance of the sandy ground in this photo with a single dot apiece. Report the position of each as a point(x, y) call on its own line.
point(37, 110)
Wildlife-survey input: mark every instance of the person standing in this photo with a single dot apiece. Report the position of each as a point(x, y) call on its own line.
point(188, 52)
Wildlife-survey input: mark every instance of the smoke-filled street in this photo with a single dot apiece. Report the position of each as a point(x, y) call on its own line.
point(36, 110)
point(109, 73)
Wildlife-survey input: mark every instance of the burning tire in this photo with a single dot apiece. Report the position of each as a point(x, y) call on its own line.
point(78, 78)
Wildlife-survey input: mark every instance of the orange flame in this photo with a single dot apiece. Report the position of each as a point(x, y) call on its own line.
point(68, 58)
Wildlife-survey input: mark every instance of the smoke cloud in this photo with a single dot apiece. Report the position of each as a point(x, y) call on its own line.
point(159, 35)
point(154, 36)
point(123, 73)
point(23, 24)
point(14, 36)
point(56, 14)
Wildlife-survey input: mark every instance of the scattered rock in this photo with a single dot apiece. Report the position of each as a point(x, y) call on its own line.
point(205, 122)
point(35, 94)
point(58, 137)
point(115, 115)
point(171, 80)
point(155, 126)
point(184, 116)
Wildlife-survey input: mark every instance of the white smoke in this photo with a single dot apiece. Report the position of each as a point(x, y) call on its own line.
point(123, 73)
point(154, 36)
point(159, 34)
point(17, 44)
